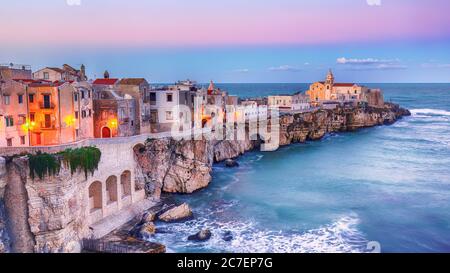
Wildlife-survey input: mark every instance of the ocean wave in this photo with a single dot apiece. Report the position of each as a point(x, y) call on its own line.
point(339, 236)
point(425, 112)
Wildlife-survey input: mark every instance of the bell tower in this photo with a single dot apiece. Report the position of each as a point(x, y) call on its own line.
point(330, 78)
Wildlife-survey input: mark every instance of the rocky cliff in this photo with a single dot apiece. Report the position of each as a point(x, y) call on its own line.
point(47, 215)
point(185, 166)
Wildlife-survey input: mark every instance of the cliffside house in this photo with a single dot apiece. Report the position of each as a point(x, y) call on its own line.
point(13, 106)
point(41, 113)
point(329, 90)
point(66, 73)
point(295, 102)
point(169, 104)
point(114, 114)
point(139, 89)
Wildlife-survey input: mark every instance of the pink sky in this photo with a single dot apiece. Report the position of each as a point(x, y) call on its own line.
point(121, 24)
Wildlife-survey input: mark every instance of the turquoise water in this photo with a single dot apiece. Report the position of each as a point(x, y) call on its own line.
point(389, 184)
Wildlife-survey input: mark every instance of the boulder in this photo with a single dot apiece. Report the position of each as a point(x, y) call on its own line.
point(231, 163)
point(178, 213)
point(227, 236)
point(147, 230)
point(202, 235)
point(148, 217)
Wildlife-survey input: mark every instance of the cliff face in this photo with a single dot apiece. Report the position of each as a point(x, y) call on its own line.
point(185, 166)
point(313, 126)
point(47, 215)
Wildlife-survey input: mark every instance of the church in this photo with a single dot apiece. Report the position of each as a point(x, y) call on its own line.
point(329, 90)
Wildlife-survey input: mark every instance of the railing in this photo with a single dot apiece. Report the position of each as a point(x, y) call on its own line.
point(107, 247)
point(47, 105)
point(17, 66)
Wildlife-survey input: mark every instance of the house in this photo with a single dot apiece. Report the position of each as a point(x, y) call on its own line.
point(165, 102)
point(297, 101)
point(84, 110)
point(253, 109)
point(53, 116)
point(139, 89)
point(15, 71)
point(66, 73)
point(13, 113)
point(114, 114)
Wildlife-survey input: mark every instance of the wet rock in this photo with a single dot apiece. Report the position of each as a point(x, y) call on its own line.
point(202, 235)
point(231, 163)
point(148, 217)
point(147, 230)
point(179, 213)
point(227, 236)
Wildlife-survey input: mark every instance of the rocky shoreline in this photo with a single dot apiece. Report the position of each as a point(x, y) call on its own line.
point(47, 224)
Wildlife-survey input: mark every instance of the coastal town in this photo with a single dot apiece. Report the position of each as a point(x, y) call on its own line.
point(60, 105)
point(84, 162)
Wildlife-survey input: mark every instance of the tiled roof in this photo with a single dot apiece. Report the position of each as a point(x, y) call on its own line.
point(132, 81)
point(343, 84)
point(105, 81)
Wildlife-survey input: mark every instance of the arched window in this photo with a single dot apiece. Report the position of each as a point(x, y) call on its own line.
point(125, 183)
point(95, 196)
point(111, 189)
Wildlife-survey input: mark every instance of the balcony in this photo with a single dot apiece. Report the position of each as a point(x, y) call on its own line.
point(44, 105)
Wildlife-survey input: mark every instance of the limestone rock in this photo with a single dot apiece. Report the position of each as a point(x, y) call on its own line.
point(202, 235)
point(230, 163)
point(147, 230)
point(178, 213)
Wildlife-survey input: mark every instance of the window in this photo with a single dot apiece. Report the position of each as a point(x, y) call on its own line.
point(46, 76)
point(6, 99)
point(82, 94)
point(9, 142)
point(75, 96)
point(132, 123)
point(31, 98)
point(48, 121)
point(9, 121)
point(76, 114)
point(46, 101)
point(89, 93)
point(77, 132)
point(169, 97)
point(22, 140)
point(22, 120)
point(32, 117)
point(83, 114)
point(20, 98)
point(90, 112)
point(152, 96)
point(169, 115)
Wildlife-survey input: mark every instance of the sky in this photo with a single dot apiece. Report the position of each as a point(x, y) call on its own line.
point(233, 40)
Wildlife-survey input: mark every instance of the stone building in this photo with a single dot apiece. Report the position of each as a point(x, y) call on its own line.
point(13, 114)
point(54, 116)
point(166, 105)
point(297, 101)
point(329, 90)
point(139, 89)
point(84, 110)
point(66, 73)
point(114, 115)
point(15, 71)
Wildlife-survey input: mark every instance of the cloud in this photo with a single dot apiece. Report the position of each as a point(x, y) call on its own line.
point(284, 67)
point(435, 65)
point(366, 61)
point(373, 2)
point(370, 63)
point(241, 70)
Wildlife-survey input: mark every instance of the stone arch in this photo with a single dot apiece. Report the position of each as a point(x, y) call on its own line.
point(125, 183)
point(95, 196)
point(111, 189)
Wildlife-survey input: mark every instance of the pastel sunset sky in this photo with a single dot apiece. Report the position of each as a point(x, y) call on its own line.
point(233, 40)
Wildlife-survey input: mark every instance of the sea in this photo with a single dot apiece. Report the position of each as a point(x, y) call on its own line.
point(379, 189)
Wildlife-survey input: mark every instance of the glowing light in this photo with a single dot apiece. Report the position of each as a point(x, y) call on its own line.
point(112, 123)
point(70, 120)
